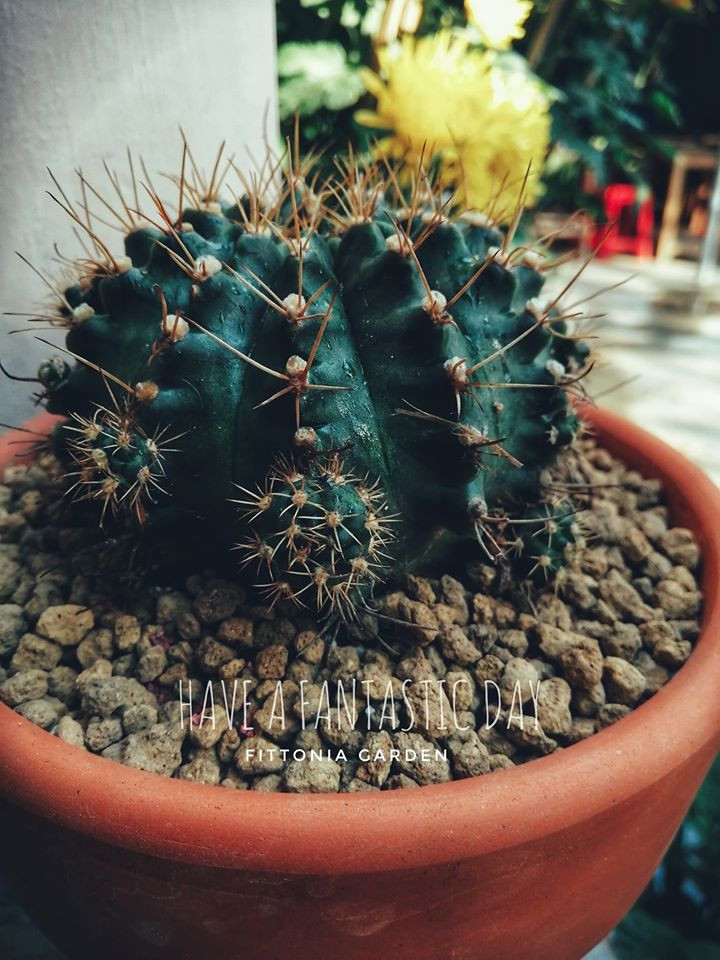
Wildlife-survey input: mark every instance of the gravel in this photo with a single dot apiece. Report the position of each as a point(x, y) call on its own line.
point(460, 677)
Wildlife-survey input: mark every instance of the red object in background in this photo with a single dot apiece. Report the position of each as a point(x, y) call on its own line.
point(620, 201)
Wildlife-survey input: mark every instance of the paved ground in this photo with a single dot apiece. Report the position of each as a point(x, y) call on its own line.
point(659, 353)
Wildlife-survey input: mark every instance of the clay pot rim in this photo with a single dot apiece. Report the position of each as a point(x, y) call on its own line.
point(404, 829)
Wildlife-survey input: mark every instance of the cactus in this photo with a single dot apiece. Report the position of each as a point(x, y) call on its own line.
point(353, 378)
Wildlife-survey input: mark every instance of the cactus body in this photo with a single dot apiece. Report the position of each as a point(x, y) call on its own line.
point(372, 387)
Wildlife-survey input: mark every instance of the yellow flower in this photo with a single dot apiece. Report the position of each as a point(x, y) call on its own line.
point(484, 122)
point(498, 21)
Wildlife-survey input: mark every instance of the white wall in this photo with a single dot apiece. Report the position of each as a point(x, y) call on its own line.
point(82, 79)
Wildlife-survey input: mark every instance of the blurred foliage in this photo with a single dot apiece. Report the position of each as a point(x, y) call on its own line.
point(321, 46)
point(678, 916)
point(603, 60)
point(615, 101)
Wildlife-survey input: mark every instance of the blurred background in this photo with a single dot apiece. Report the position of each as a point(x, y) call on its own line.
point(613, 104)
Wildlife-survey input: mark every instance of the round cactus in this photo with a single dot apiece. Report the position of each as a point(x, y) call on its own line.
point(342, 381)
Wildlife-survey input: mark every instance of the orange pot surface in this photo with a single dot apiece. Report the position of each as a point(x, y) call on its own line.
point(537, 862)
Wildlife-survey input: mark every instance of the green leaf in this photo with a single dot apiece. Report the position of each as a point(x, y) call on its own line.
point(316, 75)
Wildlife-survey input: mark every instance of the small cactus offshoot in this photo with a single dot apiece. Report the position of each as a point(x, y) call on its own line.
point(340, 379)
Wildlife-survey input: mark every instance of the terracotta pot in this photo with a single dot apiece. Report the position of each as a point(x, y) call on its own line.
point(538, 862)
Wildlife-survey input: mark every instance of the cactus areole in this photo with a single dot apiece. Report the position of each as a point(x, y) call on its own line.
point(341, 380)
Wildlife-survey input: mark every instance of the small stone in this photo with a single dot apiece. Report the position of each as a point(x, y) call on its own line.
point(498, 761)
point(582, 663)
point(233, 781)
point(317, 775)
point(228, 671)
point(624, 641)
point(551, 610)
point(593, 561)
point(418, 588)
point(419, 623)
point(66, 623)
point(140, 716)
point(97, 645)
point(554, 706)
point(686, 629)
point(237, 631)
point(104, 696)
point(35, 653)
point(257, 755)
point(45, 594)
point(61, 683)
point(10, 572)
point(611, 713)
point(553, 641)
point(622, 597)
point(280, 631)
point(655, 675)
point(101, 732)
point(69, 730)
point(652, 524)
point(127, 632)
point(359, 786)
point(420, 759)
point(514, 641)
point(680, 546)
point(519, 682)
point(100, 670)
point(470, 757)
point(22, 687)
point(654, 631)
point(203, 768)
point(272, 783)
point(495, 741)
point(623, 682)
point(526, 732)
point(483, 609)
point(454, 596)
point(586, 703)
point(461, 690)
point(656, 566)
point(400, 781)
point(677, 602)
point(172, 677)
point(634, 545)
point(490, 668)
point(212, 654)
point(12, 627)
point(188, 626)
point(151, 665)
point(578, 588)
point(672, 652)
point(41, 712)
point(170, 606)
point(228, 745)
point(206, 732)
point(457, 647)
point(431, 707)
point(271, 662)
point(581, 729)
point(376, 769)
point(156, 750)
point(310, 646)
point(218, 603)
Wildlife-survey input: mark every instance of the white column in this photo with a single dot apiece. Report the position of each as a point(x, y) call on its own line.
point(82, 80)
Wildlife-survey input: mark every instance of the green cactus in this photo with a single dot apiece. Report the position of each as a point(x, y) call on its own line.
point(350, 380)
